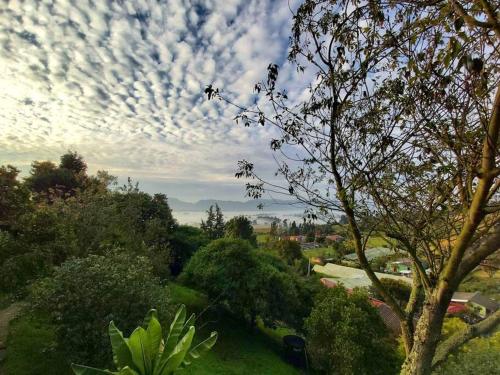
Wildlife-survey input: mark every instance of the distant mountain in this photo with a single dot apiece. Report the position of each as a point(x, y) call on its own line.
point(250, 205)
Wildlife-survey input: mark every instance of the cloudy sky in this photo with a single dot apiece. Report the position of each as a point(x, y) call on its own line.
point(121, 82)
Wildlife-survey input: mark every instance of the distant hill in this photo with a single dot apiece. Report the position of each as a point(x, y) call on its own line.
point(249, 205)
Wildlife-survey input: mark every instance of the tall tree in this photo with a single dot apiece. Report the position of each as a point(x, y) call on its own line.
point(214, 225)
point(219, 222)
point(399, 131)
point(14, 197)
point(241, 227)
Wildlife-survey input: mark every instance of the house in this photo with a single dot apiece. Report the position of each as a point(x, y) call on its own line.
point(334, 238)
point(478, 304)
point(296, 238)
point(400, 267)
point(482, 305)
point(352, 277)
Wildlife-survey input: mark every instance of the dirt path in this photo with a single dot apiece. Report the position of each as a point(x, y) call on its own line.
point(6, 315)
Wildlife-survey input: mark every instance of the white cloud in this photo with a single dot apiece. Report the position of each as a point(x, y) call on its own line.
point(122, 83)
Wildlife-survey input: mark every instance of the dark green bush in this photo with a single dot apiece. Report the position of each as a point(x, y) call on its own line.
point(249, 283)
point(85, 294)
point(345, 335)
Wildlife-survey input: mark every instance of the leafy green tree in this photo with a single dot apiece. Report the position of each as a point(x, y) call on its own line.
point(241, 227)
point(83, 295)
point(345, 335)
point(14, 197)
point(74, 162)
point(219, 225)
point(214, 225)
point(185, 241)
point(289, 251)
point(249, 283)
point(399, 289)
point(400, 130)
point(146, 352)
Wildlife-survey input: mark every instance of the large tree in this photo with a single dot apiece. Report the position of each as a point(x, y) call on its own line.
point(399, 130)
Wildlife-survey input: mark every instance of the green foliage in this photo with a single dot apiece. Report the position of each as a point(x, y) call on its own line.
point(400, 290)
point(185, 241)
point(214, 225)
point(489, 286)
point(345, 335)
point(84, 294)
point(480, 355)
point(249, 283)
point(14, 197)
point(289, 251)
point(241, 227)
point(145, 352)
point(31, 348)
point(74, 162)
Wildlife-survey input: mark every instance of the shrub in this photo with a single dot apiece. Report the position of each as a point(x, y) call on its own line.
point(85, 294)
point(249, 283)
point(345, 335)
point(289, 251)
point(240, 227)
point(400, 290)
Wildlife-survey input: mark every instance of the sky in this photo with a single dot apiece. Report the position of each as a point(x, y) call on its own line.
point(121, 82)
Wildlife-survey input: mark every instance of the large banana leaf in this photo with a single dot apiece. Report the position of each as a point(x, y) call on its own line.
point(175, 330)
point(155, 338)
point(121, 351)
point(167, 365)
point(140, 348)
point(84, 370)
point(200, 349)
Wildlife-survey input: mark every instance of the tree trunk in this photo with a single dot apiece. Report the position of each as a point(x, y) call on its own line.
point(426, 338)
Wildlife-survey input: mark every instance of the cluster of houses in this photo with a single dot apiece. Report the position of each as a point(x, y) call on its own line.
point(470, 306)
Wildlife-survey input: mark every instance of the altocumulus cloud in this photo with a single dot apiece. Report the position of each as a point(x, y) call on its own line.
point(122, 82)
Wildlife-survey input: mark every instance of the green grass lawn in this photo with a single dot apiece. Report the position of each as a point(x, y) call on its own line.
point(318, 252)
point(30, 349)
point(239, 350)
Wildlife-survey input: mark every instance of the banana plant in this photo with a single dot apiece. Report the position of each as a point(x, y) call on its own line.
point(146, 352)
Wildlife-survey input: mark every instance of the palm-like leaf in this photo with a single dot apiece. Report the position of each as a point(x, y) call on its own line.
point(121, 351)
point(200, 349)
point(145, 352)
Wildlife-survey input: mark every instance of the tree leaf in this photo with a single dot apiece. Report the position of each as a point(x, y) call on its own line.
point(168, 365)
point(85, 370)
point(155, 337)
point(175, 329)
point(200, 349)
point(121, 352)
point(140, 348)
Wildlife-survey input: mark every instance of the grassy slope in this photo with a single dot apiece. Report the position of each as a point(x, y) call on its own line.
point(30, 349)
point(238, 350)
point(479, 281)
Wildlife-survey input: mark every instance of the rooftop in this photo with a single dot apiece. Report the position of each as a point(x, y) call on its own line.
point(352, 277)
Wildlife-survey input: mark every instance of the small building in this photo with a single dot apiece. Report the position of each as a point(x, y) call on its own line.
point(482, 305)
point(400, 267)
point(334, 238)
point(296, 238)
point(476, 303)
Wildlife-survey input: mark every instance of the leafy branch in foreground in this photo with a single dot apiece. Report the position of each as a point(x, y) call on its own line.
point(145, 352)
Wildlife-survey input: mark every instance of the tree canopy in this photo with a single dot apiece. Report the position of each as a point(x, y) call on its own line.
point(399, 130)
